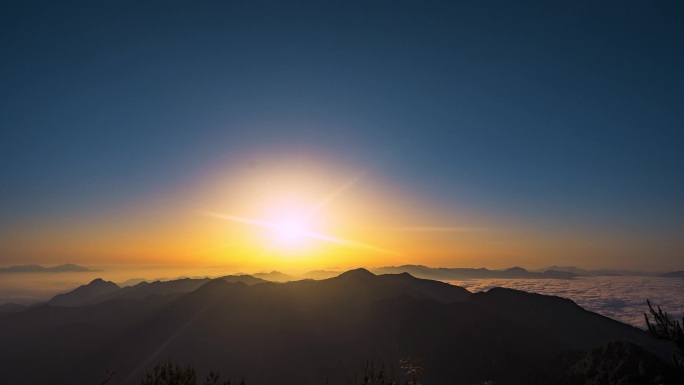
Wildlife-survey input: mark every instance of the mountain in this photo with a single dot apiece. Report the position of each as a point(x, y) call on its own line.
point(443, 273)
point(311, 332)
point(274, 276)
point(131, 282)
point(598, 272)
point(100, 291)
point(11, 308)
point(66, 268)
point(673, 274)
point(321, 274)
point(244, 278)
point(85, 294)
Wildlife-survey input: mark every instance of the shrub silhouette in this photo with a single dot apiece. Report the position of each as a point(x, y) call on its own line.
point(373, 376)
point(412, 366)
point(665, 328)
point(169, 373)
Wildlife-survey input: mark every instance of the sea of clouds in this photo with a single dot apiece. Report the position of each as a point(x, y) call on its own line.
point(620, 298)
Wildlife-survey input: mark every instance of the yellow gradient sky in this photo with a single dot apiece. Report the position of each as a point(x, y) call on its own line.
point(229, 219)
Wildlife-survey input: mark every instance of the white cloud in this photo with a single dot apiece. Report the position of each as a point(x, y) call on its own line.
point(620, 298)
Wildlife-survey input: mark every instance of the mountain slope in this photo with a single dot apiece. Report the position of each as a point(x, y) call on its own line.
point(620, 363)
point(99, 291)
point(309, 332)
point(85, 294)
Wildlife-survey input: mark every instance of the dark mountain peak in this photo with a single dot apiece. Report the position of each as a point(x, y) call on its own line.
point(558, 274)
point(252, 279)
point(86, 294)
point(215, 289)
point(359, 273)
point(516, 269)
point(511, 293)
point(70, 267)
point(321, 274)
point(219, 284)
point(243, 278)
point(406, 275)
point(101, 284)
point(427, 289)
point(504, 291)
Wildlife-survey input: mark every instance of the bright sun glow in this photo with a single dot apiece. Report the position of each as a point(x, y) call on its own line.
point(290, 231)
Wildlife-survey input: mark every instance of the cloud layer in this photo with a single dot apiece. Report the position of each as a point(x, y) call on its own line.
point(620, 298)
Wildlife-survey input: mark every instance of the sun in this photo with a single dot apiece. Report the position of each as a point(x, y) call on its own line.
point(292, 234)
point(290, 231)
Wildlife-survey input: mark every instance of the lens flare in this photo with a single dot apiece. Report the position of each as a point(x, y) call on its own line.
point(293, 230)
point(290, 231)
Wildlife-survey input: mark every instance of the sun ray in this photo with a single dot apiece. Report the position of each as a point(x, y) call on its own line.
point(438, 229)
point(345, 242)
point(302, 232)
point(244, 220)
point(333, 195)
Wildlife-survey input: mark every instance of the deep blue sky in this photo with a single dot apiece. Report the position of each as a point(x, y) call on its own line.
point(556, 112)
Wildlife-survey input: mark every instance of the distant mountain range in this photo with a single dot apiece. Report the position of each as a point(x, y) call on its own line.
point(321, 331)
point(66, 268)
point(452, 274)
point(275, 276)
point(321, 274)
point(445, 274)
point(439, 273)
point(600, 272)
point(674, 274)
point(553, 272)
point(99, 291)
point(420, 271)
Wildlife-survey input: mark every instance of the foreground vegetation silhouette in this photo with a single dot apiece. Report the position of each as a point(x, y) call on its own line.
point(665, 328)
point(170, 373)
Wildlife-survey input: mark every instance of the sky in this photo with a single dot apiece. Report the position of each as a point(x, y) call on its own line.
point(305, 135)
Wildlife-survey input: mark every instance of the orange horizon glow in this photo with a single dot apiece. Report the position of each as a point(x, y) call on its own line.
point(338, 218)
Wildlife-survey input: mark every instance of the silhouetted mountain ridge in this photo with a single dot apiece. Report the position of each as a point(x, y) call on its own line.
point(673, 274)
point(66, 268)
point(85, 294)
point(274, 276)
point(598, 272)
point(457, 273)
point(100, 291)
point(309, 332)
